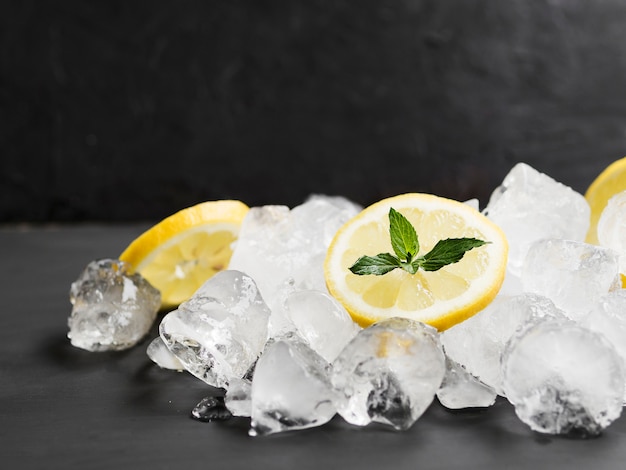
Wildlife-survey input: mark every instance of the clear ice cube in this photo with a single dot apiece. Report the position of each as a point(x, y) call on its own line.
point(612, 227)
point(563, 379)
point(478, 342)
point(389, 373)
point(112, 307)
point(258, 252)
point(238, 397)
point(158, 353)
point(290, 389)
point(608, 317)
point(574, 275)
point(460, 389)
point(530, 205)
point(221, 330)
point(321, 321)
point(284, 250)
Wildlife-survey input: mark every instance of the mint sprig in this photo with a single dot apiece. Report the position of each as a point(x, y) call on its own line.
point(405, 244)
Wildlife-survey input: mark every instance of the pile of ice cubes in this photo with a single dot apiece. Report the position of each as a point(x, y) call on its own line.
point(288, 356)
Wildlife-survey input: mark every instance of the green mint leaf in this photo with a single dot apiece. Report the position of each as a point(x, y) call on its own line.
point(410, 268)
point(403, 236)
point(377, 265)
point(446, 252)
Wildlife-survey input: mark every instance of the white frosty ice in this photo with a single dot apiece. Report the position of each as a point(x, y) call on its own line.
point(290, 389)
point(608, 317)
point(478, 342)
point(574, 275)
point(283, 250)
point(112, 308)
point(460, 389)
point(389, 373)
point(221, 330)
point(321, 321)
point(612, 227)
point(563, 379)
point(530, 205)
point(511, 286)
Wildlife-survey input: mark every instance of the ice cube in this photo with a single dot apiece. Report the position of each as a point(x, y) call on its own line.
point(321, 321)
point(612, 227)
point(316, 221)
point(574, 275)
point(284, 250)
point(608, 317)
point(238, 397)
point(530, 205)
point(221, 330)
point(290, 389)
point(389, 373)
point(563, 379)
point(511, 286)
point(159, 354)
point(473, 203)
point(478, 342)
point(112, 307)
point(263, 248)
point(460, 389)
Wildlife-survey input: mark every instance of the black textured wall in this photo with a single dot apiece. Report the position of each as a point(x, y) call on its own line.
point(118, 110)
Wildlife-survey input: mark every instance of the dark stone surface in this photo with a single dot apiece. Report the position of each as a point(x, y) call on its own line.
point(122, 110)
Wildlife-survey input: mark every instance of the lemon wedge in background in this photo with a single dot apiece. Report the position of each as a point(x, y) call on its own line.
point(440, 298)
point(608, 183)
point(181, 252)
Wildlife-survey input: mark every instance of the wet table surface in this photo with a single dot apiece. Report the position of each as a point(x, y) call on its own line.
point(61, 407)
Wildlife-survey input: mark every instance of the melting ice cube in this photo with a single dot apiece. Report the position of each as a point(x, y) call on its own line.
point(158, 352)
point(563, 379)
point(283, 250)
point(113, 308)
point(574, 275)
point(478, 342)
point(612, 227)
point(460, 389)
point(530, 205)
point(221, 330)
point(608, 317)
point(238, 397)
point(389, 373)
point(321, 321)
point(290, 389)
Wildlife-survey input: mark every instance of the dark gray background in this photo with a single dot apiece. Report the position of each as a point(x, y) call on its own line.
point(117, 111)
point(122, 111)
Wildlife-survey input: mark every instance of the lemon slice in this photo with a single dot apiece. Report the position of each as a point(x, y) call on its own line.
point(440, 298)
point(608, 183)
point(181, 252)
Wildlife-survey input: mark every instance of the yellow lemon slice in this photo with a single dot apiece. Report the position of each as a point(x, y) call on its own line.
point(608, 183)
point(181, 252)
point(440, 298)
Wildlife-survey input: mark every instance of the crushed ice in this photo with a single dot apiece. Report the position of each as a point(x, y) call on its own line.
point(288, 356)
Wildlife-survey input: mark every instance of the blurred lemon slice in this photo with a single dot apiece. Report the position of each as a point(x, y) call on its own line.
point(181, 252)
point(440, 298)
point(608, 183)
